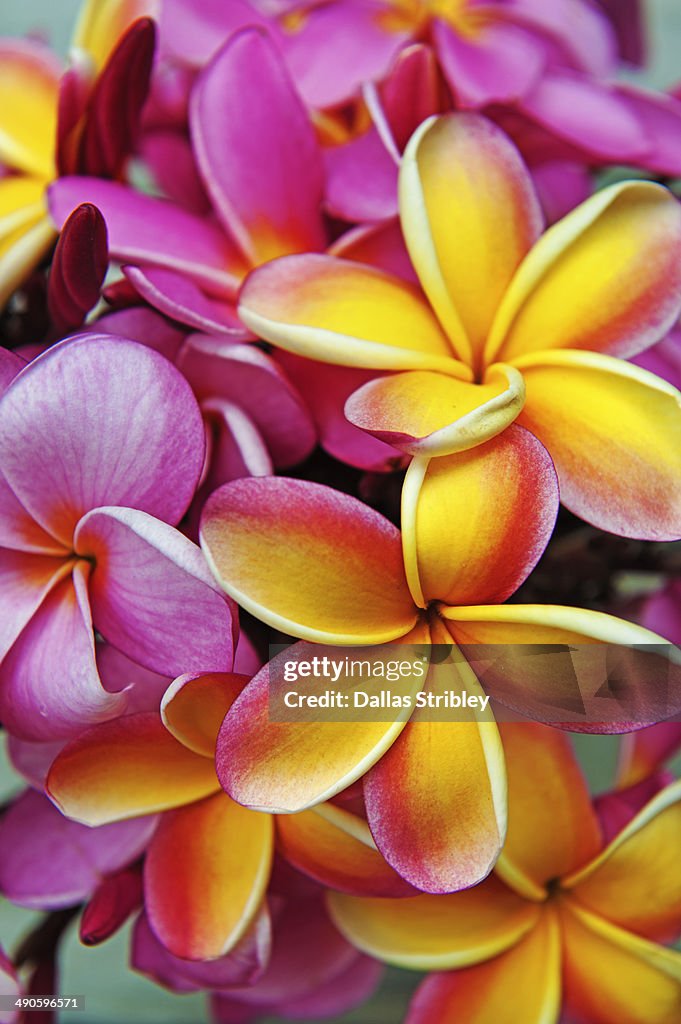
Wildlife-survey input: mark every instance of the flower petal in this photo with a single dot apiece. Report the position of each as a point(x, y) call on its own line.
point(436, 801)
point(570, 667)
point(530, 970)
point(10, 364)
point(26, 233)
point(126, 768)
point(614, 433)
point(610, 974)
point(344, 313)
point(285, 766)
point(182, 300)
point(152, 594)
point(49, 861)
point(25, 581)
point(475, 524)
point(244, 102)
point(436, 932)
point(49, 685)
point(102, 22)
point(29, 75)
point(429, 414)
point(342, 993)
point(635, 881)
point(469, 216)
point(173, 237)
point(341, 581)
point(335, 847)
point(97, 421)
point(193, 708)
point(552, 826)
point(606, 277)
point(642, 753)
point(205, 876)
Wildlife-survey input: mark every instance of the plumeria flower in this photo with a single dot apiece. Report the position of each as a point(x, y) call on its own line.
point(512, 322)
point(320, 565)
point(102, 446)
point(568, 921)
point(52, 123)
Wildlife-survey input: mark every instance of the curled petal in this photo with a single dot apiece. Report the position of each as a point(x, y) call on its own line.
point(193, 708)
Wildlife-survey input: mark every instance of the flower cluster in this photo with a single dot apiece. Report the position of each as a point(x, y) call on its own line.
point(333, 330)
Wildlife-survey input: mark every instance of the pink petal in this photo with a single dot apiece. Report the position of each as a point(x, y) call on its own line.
point(181, 299)
point(244, 103)
point(251, 380)
point(113, 901)
point(379, 245)
point(361, 180)
point(341, 994)
point(169, 157)
point(173, 237)
point(664, 359)
point(143, 688)
point(152, 594)
point(238, 448)
point(33, 760)
point(660, 117)
point(49, 685)
point(561, 186)
point(49, 861)
point(10, 364)
point(95, 421)
point(25, 581)
point(618, 807)
point(192, 33)
point(146, 326)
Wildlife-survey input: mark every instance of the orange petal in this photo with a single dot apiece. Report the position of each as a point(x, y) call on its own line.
point(469, 216)
point(436, 932)
point(552, 826)
point(607, 277)
point(475, 524)
point(205, 876)
point(125, 768)
point(193, 708)
point(426, 413)
point(346, 313)
point(530, 970)
point(29, 75)
point(612, 975)
point(284, 766)
point(614, 433)
point(436, 801)
point(336, 848)
point(636, 882)
point(308, 560)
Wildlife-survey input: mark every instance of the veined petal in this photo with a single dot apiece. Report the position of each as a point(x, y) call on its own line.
point(475, 524)
point(335, 847)
point(181, 299)
point(152, 594)
point(469, 216)
point(614, 433)
point(342, 312)
point(436, 801)
point(436, 932)
point(25, 581)
point(610, 974)
point(606, 277)
point(244, 102)
point(125, 768)
point(287, 766)
point(205, 876)
point(430, 414)
point(635, 881)
point(308, 560)
point(570, 667)
point(173, 238)
point(49, 684)
point(530, 970)
point(62, 456)
point(193, 708)
point(552, 826)
point(29, 75)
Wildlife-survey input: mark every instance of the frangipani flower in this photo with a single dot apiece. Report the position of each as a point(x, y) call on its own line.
point(320, 565)
point(566, 920)
point(101, 449)
point(513, 325)
point(208, 862)
point(44, 127)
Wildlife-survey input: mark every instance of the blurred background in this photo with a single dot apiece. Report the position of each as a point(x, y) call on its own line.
point(113, 993)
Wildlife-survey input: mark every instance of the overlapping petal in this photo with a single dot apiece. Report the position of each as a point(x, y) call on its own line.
point(616, 441)
point(152, 594)
point(262, 119)
point(25, 580)
point(308, 560)
point(28, 99)
point(469, 216)
point(205, 876)
point(193, 708)
point(126, 768)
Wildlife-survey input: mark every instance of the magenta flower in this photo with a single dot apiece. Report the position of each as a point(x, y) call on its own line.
point(102, 446)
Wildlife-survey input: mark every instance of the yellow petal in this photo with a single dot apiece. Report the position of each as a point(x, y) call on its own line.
point(193, 708)
point(29, 76)
point(101, 23)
